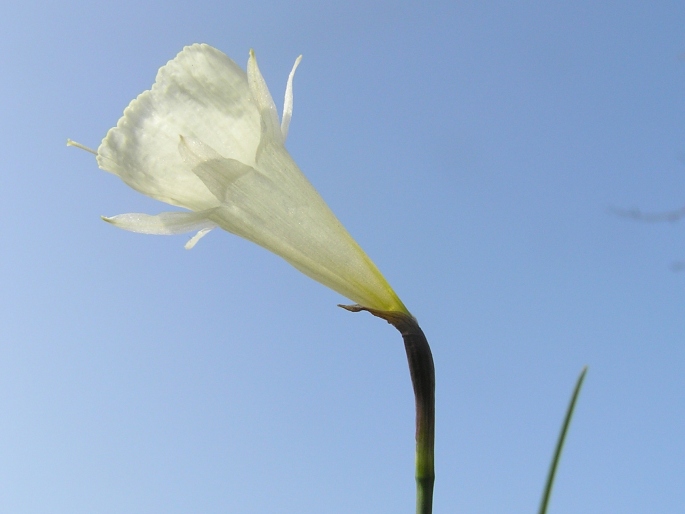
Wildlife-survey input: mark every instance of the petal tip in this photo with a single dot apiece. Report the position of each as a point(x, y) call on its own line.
point(193, 240)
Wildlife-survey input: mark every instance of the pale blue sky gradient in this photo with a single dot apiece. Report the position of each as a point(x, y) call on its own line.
point(473, 149)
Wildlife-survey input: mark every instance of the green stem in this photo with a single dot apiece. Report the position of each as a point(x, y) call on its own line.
point(560, 444)
point(422, 373)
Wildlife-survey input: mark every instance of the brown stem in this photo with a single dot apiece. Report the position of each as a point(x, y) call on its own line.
point(422, 373)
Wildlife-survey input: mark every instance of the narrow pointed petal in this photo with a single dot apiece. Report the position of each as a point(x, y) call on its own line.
point(164, 224)
point(288, 102)
point(271, 130)
point(200, 94)
point(193, 240)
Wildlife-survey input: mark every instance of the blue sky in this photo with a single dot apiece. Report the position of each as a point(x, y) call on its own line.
point(473, 149)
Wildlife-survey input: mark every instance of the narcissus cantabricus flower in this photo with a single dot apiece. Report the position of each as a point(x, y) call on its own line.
point(206, 137)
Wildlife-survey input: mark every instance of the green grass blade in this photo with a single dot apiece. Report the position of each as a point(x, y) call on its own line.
point(560, 444)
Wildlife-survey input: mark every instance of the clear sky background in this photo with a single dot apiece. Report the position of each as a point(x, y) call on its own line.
point(474, 150)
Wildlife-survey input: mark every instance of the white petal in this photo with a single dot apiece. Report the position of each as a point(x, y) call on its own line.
point(200, 94)
point(164, 224)
point(271, 130)
point(288, 102)
point(193, 240)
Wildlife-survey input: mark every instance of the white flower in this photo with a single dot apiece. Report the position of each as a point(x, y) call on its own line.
point(206, 137)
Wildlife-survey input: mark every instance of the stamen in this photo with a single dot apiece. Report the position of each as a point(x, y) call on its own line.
point(82, 147)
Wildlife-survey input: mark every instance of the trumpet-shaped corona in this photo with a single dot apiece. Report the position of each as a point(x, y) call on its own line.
point(206, 137)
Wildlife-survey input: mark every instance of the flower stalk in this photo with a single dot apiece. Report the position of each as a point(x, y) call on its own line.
point(422, 371)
